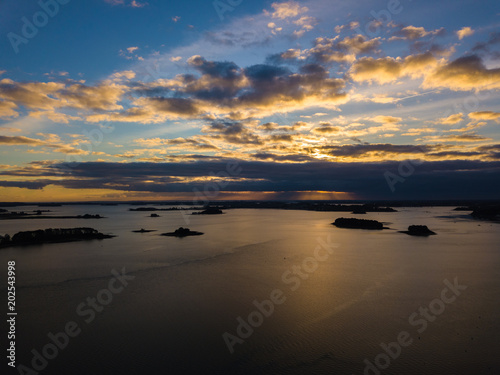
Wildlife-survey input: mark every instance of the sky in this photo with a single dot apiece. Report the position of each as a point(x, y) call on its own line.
point(237, 99)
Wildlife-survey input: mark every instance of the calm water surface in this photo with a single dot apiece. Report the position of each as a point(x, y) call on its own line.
point(188, 292)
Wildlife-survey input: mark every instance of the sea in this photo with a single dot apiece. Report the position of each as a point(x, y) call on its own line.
point(262, 291)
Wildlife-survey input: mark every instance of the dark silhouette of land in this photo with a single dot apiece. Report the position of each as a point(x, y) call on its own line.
point(182, 232)
point(50, 235)
point(38, 215)
point(142, 230)
point(353, 223)
point(164, 209)
point(418, 230)
point(490, 212)
point(209, 211)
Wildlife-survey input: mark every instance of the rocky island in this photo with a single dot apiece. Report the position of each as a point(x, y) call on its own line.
point(418, 230)
point(182, 232)
point(42, 236)
point(353, 223)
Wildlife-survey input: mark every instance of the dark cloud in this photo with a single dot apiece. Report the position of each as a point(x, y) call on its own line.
point(281, 158)
point(220, 69)
point(486, 47)
point(363, 149)
point(263, 73)
point(232, 132)
point(179, 106)
point(32, 185)
point(427, 180)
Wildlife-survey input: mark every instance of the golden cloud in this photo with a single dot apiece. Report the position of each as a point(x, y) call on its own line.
point(463, 74)
point(484, 115)
point(464, 32)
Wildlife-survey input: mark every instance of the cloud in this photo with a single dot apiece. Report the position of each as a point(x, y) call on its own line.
point(32, 185)
point(463, 74)
point(51, 95)
point(486, 46)
point(133, 3)
point(363, 180)
point(471, 137)
point(132, 49)
point(464, 32)
point(51, 141)
point(484, 115)
point(326, 128)
point(224, 89)
point(386, 119)
point(330, 50)
point(53, 116)
point(232, 132)
point(451, 120)
point(183, 143)
point(388, 69)
point(412, 32)
point(7, 109)
point(356, 151)
point(31, 94)
point(20, 140)
point(287, 9)
point(126, 74)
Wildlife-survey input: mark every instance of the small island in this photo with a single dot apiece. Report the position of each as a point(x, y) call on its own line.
point(182, 232)
point(353, 223)
point(418, 230)
point(88, 216)
point(154, 215)
point(142, 230)
point(50, 235)
point(210, 211)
